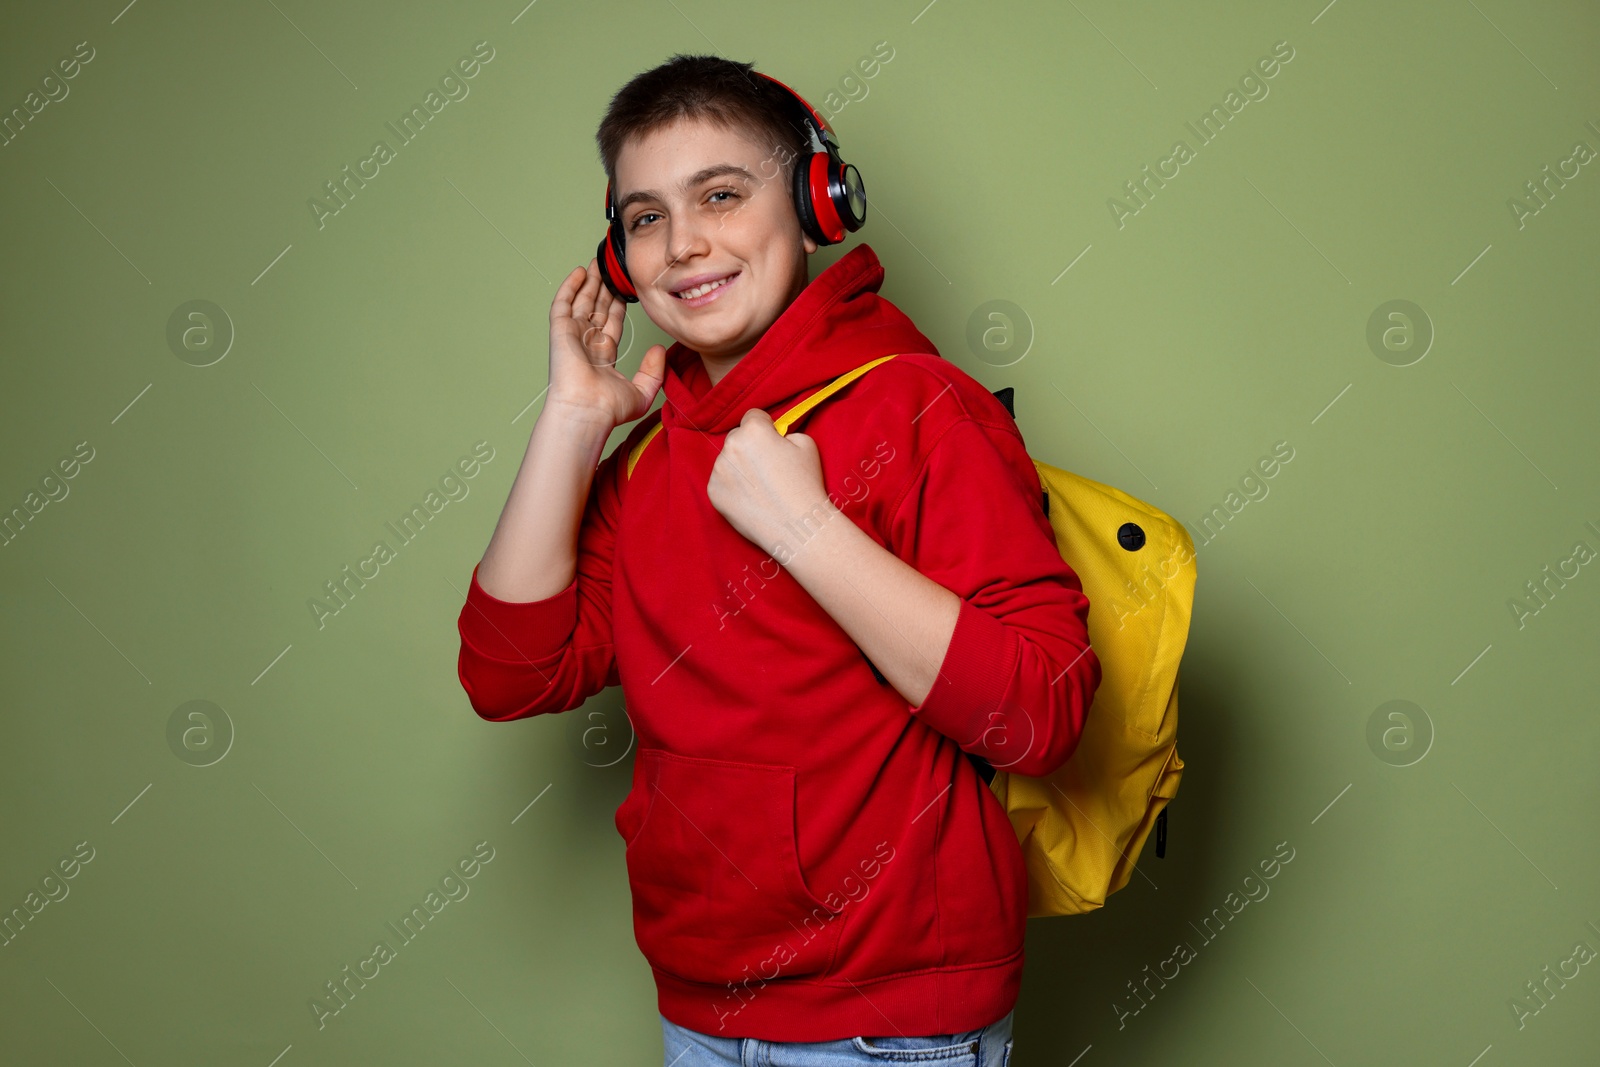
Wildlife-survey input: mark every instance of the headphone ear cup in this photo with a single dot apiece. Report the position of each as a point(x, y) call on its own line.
point(822, 198)
point(804, 195)
point(613, 266)
point(851, 215)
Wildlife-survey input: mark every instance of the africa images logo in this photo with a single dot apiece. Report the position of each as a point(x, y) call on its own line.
point(454, 86)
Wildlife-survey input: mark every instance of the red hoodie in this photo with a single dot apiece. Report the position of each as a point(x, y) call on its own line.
point(811, 858)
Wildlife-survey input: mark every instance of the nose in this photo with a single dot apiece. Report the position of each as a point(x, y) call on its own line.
point(686, 238)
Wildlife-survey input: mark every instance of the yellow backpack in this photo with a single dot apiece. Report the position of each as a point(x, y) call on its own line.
point(1083, 827)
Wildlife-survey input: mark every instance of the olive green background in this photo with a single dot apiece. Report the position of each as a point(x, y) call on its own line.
point(344, 771)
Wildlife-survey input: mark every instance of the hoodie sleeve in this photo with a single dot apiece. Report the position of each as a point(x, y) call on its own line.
point(521, 658)
point(1019, 675)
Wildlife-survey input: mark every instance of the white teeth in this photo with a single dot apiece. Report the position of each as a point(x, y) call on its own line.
point(702, 290)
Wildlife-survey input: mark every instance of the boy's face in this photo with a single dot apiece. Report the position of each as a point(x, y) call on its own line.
point(700, 202)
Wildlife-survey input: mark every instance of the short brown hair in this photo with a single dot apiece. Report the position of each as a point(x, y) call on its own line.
point(722, 91)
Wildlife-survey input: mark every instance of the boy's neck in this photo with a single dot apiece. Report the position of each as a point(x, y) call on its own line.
point(716, 368)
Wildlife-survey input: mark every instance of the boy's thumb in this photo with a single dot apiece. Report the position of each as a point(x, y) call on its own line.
point(652, 372)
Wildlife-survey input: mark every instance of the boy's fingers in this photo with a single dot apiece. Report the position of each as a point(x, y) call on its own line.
point(604, 300)
point(602, 329)
point(583, 304)
point(605, 320)
point(614, 313)
point(561, 306)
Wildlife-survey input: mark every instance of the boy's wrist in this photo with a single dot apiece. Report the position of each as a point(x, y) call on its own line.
point(803, 534)
point(578, 416)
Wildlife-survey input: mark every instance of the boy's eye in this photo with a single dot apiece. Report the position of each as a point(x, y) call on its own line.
point(643, 215)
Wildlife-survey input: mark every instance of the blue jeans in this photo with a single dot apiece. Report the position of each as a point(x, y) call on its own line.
point(988, 1047)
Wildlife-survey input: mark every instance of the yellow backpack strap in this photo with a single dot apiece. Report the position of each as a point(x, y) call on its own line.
point(788, 418)
point(638, 449)
point(784, 421)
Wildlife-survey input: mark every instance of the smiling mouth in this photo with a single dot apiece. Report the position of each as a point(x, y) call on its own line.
point(704, 294)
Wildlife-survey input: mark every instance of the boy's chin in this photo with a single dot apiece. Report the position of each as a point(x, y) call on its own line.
point(713, 344)
point(719, 342)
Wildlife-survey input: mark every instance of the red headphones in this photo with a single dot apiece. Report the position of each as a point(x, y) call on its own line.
point(828, 195)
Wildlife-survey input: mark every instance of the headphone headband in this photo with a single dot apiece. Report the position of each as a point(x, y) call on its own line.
point(821, 133)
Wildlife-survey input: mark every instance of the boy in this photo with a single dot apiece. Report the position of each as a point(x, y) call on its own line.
point(813, 632)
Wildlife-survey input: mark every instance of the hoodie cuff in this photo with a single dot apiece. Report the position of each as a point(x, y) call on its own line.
point(526, 631)
point(973, 679)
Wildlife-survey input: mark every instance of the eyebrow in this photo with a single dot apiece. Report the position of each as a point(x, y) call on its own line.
point(704, 175)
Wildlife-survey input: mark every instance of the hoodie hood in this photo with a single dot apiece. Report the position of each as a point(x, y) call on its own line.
point(837, 323)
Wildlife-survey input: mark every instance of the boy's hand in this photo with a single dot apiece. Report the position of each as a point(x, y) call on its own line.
point(585, 329)
point(765, 483)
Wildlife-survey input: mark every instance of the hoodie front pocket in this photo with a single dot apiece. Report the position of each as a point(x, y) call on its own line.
point(718, 895)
